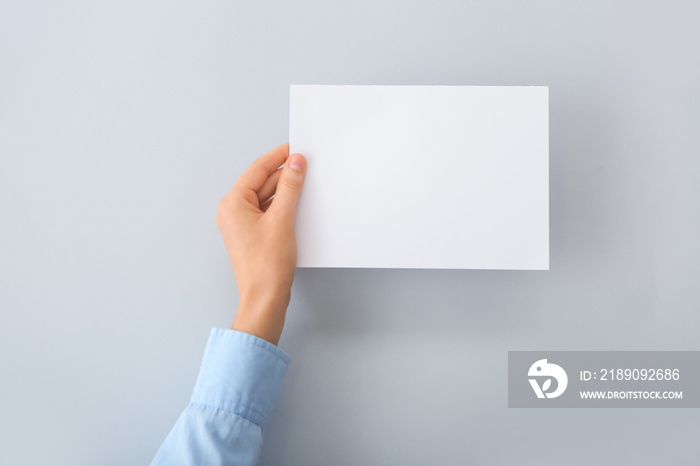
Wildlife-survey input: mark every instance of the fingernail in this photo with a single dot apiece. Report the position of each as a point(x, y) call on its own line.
point(296, 162)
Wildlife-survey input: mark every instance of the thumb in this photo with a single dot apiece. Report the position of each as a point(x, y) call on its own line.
point(289, 187)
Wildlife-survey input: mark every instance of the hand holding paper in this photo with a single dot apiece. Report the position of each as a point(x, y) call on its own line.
point(258, 231)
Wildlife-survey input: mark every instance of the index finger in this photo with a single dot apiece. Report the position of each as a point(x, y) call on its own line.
point(260, 170)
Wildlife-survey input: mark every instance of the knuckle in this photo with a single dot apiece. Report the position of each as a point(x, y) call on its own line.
point(226, 210)
point(291, 183)
point(223, 207)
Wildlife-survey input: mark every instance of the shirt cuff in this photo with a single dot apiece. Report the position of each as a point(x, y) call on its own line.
point(241, 374)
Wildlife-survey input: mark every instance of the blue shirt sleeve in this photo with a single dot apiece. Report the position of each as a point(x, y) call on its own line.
point(232, 399)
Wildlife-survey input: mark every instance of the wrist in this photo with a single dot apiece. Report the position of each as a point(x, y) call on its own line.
point(262, 314)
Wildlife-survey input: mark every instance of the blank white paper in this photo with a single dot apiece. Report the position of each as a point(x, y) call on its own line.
point(443, 177)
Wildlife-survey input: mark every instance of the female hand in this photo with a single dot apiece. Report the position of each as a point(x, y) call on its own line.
point(258, 231)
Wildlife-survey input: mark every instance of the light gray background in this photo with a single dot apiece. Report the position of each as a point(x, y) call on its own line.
point(123, 124)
